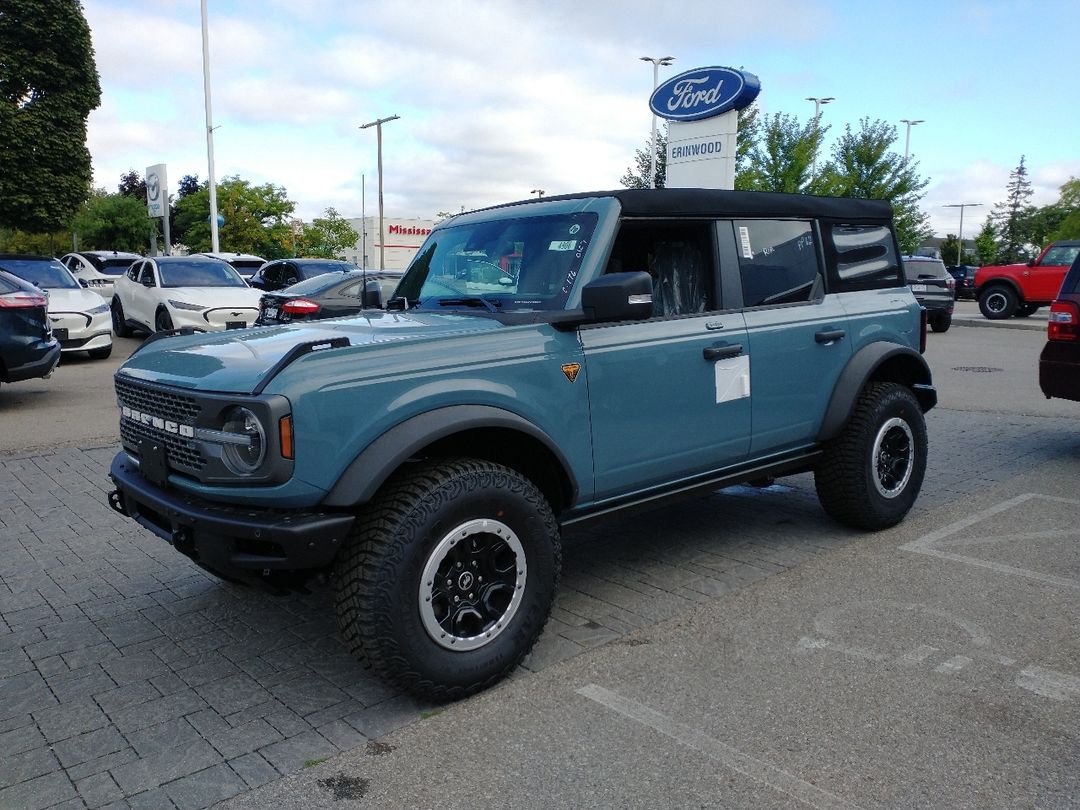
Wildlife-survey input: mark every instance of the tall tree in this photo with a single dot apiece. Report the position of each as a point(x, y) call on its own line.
point(48, 86)
point(189, 184)
point(114, 222)
point(257, 218)
point(326, 237)
point(986, 246)
point(133, 185)
point(864, 164)
point(783, 156)
point(1011, 217)
point(1069, 203)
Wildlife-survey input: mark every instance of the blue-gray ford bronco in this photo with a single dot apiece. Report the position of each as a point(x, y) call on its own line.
point(540, 364)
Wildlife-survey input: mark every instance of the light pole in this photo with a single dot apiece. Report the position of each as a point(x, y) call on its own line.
point(211, 182)
point(378, 140)
point(656, 63)
point(539, 192)
point(961, 206)
point(907, 137)
point(818, 104)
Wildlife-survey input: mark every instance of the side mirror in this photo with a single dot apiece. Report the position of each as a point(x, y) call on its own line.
point(371, 297)
point(618, 297)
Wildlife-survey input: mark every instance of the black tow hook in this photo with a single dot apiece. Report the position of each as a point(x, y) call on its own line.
point(116, 501)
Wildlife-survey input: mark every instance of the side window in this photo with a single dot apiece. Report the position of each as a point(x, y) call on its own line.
point(147, 273)
point(133, 271)
point(862, 257)
point(778, 262)
point(272, 274)
point(678, 256)
point(290, 273)
point(352, 291)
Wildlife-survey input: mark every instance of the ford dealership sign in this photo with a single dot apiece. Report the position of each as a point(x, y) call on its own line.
point(703, 93)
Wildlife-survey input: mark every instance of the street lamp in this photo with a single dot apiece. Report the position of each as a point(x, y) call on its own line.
point(656, 63)
point(818, 104)
point(378, 139)
point(211, 182)
point(539, 192)
point(961, 206)
point(907, 137)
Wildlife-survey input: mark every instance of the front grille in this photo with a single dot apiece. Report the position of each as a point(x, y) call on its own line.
point(182, 453)
point(166, 404)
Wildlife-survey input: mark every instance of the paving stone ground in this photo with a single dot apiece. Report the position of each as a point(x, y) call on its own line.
point(129, 678)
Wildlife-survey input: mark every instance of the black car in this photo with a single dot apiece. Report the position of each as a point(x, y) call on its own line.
point(278, 275)
point(329, 295)
point(27, 347)
point(933, 288)
point(964, 274)
point(1059, 363)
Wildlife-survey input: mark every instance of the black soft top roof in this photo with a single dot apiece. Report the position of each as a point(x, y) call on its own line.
point(707, 202)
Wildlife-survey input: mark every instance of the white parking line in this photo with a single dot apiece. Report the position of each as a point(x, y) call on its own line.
point(757, 770)
point(926, 543)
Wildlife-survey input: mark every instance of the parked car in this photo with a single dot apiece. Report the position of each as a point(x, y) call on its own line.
point(933, 288)
point(27, 347)
point(1019, 290)
point(541, 364)
point(99, 268)
point(79, 318)
point(1059, 363)
point(170, 292)
point(964, 275)
point(329, 295)
point(278, 275)
point(244, 263)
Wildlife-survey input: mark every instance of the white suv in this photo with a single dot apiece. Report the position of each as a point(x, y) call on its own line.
point(171, 292)
point(99, 268)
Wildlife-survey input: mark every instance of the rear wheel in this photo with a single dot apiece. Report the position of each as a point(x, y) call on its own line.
point(119, 323)
point(998, 302)
point(941, 321)
point(446, 580)
point(870, 475)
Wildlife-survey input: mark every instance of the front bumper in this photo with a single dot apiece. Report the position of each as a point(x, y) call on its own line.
point(241, 542)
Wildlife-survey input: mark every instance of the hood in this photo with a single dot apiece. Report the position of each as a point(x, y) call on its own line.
point(215, 297)
point(237, 361)
point(70, 299)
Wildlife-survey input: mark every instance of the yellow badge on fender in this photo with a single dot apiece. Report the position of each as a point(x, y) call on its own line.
point(571, 370)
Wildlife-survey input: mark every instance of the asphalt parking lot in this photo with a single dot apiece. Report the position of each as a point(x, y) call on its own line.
point(740, 650)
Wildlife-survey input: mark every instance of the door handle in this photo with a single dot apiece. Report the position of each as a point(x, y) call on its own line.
point(723, 352)
point(828, 335)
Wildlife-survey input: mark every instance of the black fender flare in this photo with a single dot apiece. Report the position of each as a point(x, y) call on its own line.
point(376, 462)
point(1002, 281)
point(911, 370)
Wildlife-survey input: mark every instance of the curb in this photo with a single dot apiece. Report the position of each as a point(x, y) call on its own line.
point(1031, 326)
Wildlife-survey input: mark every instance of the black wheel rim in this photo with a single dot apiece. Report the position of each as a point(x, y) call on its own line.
point(893, 457)
point(472, 584)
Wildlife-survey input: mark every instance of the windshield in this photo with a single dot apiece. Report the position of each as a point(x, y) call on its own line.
point(506, 265)
point(110, 267)
point(199, 274)
point(48, 274)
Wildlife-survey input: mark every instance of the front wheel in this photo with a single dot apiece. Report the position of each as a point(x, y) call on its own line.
point(997, 303)
point(870, 475)
point(447, 579)
point(119, 320)
point(163, 321)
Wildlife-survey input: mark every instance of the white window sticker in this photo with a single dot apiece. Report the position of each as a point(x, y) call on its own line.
point(733, 379)
point(568, 244)
point(744, 241)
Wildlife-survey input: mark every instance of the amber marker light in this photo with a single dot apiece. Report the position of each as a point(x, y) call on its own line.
point(285, 433)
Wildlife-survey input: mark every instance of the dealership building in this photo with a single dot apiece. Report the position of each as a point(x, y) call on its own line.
point(403, 240)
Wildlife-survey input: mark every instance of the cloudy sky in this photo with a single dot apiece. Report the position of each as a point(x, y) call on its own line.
point(501, 97)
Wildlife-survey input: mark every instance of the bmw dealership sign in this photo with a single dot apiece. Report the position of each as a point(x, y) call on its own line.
point(703, 93)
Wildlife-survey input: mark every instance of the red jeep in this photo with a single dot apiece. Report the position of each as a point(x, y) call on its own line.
point(1020, 289)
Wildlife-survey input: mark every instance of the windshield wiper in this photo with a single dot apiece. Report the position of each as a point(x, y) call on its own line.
point(470, 301)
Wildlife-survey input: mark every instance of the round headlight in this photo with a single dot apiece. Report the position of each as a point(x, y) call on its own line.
point(244, 455)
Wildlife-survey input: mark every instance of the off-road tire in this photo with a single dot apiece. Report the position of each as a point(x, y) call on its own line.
point(941, 322)
point(163, 321)
point(119, 324)
point(100, 354)
point(381, 592)
point(998, 303)
point(884, 440)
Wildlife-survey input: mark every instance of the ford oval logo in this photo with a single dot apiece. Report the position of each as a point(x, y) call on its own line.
point(703, 93)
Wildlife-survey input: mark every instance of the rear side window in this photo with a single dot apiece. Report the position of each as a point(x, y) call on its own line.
point(862, 257)
point(778, 261)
